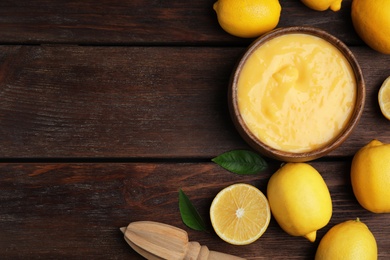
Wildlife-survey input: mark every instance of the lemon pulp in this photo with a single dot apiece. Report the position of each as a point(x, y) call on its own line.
point(384, 98)
point(240, 214)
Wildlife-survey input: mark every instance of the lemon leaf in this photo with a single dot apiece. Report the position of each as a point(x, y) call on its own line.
point(241, 162)
point(189, 214)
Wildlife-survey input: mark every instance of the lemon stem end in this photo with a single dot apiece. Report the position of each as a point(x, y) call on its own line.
point(311, 236)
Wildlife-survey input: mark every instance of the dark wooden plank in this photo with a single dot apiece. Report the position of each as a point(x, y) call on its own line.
point(73, 211)
point(131, 102)
point(159, 100)
point(144, 22)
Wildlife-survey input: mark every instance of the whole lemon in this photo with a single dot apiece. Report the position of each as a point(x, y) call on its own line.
point(299, 199)
point(370, 176)
point(348, 240)
point(371, 20)
point(322, 5)
point(247, 19)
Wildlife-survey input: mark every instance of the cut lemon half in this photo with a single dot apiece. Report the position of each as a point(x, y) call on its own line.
point(384, 98)
point(240, 214)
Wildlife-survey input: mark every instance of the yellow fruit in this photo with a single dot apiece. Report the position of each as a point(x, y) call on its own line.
point(247, 19)
point(370, 176)
point(240, 214)
point(299, 199)
point(371, 20)
point(322, 5)
point(349, 240)
point(384, 98)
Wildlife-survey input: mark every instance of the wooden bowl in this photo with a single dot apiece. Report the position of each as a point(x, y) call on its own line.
point(287, 156)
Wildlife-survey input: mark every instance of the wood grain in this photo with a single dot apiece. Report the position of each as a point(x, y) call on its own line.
point(130, 102)
point(108, 108)
point(140, 22)
point(75, 210)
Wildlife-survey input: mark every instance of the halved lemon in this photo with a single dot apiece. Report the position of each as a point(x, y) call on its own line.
point(240, 214)
point(384, 98)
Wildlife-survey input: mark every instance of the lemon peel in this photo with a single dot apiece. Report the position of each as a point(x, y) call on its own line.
point(299, 200)
point(371, 20)
point(322, 5)
point(247, 19)
point(370, 176)
point(348, 240)
point(240, 214)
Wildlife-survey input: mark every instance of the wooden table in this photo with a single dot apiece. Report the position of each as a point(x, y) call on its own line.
point(108, 108)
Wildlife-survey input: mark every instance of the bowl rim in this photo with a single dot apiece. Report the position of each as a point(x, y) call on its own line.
point(269, 151)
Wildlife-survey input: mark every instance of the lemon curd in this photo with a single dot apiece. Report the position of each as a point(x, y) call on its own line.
point(296, 92)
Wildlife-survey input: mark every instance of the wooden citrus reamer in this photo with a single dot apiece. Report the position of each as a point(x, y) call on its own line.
point(156, 241)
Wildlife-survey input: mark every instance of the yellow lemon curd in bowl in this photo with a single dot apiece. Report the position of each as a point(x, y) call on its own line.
point(296, 92)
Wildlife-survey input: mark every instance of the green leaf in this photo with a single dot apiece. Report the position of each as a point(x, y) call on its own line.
point(241, 162)
point(189, 214)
